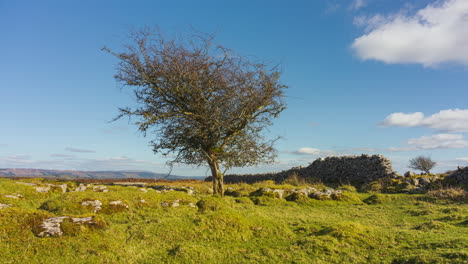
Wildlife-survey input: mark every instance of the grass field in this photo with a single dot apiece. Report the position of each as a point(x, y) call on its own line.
point(386, 228)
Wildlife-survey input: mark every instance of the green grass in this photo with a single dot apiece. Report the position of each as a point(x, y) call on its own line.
point(385, 228)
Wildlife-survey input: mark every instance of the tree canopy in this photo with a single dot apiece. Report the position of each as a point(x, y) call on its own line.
point(203, 103)
point(422, 163)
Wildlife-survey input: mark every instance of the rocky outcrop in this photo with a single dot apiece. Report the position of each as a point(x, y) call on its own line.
point(96, 204)
point(45, 189)
point(80, 188)
point(4, 206)
point(52, 226)
point(15, 196)
point(118, 204)
point(355, 170)
point(349, 169)
point(458, 177)
point(295, 194)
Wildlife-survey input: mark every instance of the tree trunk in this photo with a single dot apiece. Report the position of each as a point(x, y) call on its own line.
point(218, 178)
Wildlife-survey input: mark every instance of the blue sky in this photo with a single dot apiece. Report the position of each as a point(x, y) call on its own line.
point(364, 76)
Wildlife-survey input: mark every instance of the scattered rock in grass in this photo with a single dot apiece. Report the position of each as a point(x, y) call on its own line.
point(175, 203)
point(118, 203)
point(4, 206)
point(64, 187)
point(96, 204)
point(137, 184)
point(100, 188)
point(44, 189)
point(326, 194)
point(143, 190)
point(142, 201)
point(275, 193)
point(51, 227)
point(191, 205)
point(80, 188)
point(16, 196)
point(164, 188)
point(27, 183)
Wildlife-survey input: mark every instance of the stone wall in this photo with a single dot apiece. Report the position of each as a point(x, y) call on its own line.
point(336, 169)
point(458, 177)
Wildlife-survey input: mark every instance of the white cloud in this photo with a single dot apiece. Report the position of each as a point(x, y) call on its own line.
point(312, 152)
point(463, 159)
point(451, 120)
point(444, 141)
point(433, 35)
point(438, 141)
point(405, 120)
point(308, 151)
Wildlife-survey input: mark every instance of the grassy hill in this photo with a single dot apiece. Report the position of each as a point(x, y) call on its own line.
point(168, 224)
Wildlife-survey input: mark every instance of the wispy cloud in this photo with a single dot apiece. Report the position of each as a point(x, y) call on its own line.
point(451, 120)
point(55, 155)
point(79, 150)
point(358, 4)
point(438, 141)
point(431, 36)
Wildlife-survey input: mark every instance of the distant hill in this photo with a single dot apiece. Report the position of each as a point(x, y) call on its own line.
point(90, 174)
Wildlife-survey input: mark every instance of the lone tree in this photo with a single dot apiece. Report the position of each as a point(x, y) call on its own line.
point(422, 163)
point(205, 104)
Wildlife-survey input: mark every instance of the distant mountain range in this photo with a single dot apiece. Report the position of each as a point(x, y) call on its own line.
point(91, 174)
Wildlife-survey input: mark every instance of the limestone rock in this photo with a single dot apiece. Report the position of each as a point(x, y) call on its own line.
point(100, 188)
point(51, 227)
point(44, 189)
point(458, 177)
point(325, 194)
point(64, 187)
point(12, 196)
point(355, 170)
point(137, 184)
point(143, 190)
point(3, 206)
point(118, 203)
point(409, 174)
point(80, 188)
point(27, 183)
point(96, 204)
